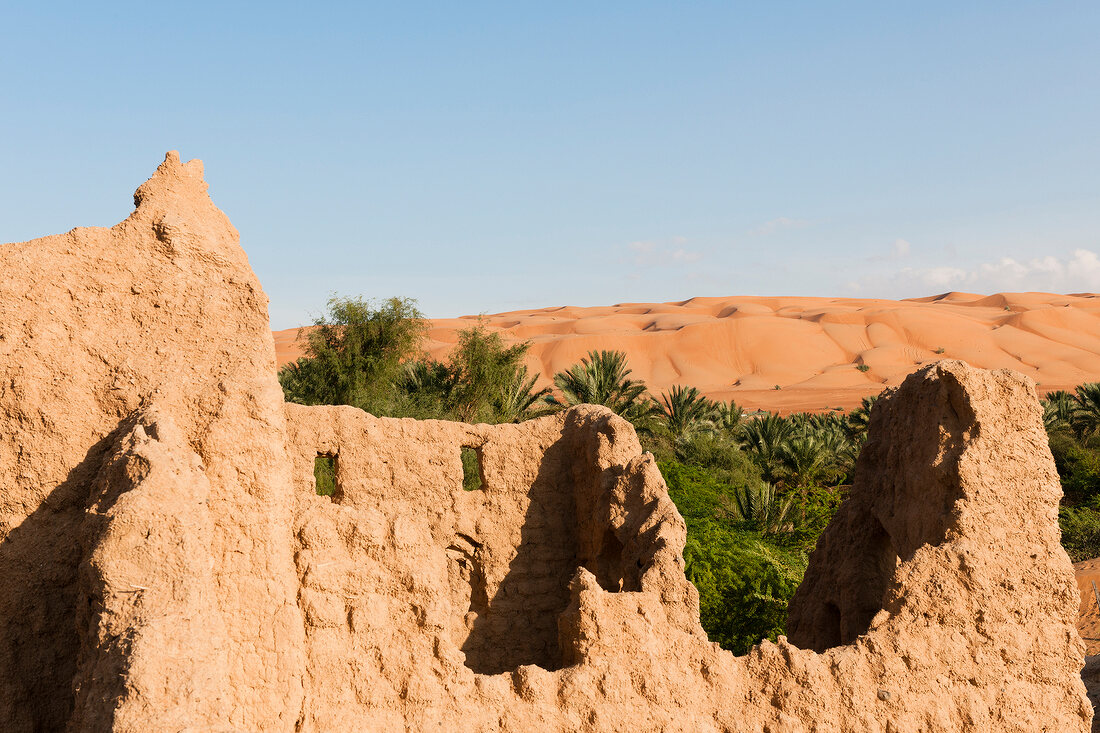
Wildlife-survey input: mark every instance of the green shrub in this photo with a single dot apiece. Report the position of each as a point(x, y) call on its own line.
point(355, 354)
point(745, 585)
point(324, 475)
point(745, 580)
point(1080, 532)
point(1078, 468)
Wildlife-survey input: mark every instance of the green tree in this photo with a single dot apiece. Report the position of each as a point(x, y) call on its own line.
point(491, 381)
point(518, 399)
point(602, 378)
point(728, 417)
point(745, 580)
point(1058, 407)
point(762, 508)
point(1086, 413)
point(483, 380)
point(804, 461)
point(763, 437)
point(683, 411)
point(859, 419)
point(356, 354)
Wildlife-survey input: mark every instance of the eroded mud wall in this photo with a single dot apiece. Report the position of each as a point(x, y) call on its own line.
point(160, 311)
point(166, 564)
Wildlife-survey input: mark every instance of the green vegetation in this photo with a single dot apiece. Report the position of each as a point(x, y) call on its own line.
point(755, 491)
point(324, 475)
point(371, 356)
point(1072, 421)
point(471, 469)
point(356, 354)
point(602, 378)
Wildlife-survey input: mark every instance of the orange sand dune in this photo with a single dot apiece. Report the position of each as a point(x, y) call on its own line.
point(740, 348)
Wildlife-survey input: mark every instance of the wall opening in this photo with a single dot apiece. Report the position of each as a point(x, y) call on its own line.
point(473, 475)
point(324, 476)
point(609, 563)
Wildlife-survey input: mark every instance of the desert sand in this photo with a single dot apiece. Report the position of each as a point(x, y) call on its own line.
point(740, 348)
point(1088, 623)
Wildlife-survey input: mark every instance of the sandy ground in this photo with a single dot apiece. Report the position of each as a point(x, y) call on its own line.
point(741, 348)
point(1088, 623)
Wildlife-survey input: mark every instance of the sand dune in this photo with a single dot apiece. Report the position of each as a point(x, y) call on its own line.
point(741, 348)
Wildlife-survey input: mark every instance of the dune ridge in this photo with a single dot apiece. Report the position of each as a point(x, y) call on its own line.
point(823, 353)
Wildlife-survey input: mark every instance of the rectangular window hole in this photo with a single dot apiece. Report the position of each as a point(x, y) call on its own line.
point(473, 477)
point(324, 474)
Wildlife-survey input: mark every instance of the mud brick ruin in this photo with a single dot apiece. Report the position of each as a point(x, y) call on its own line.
point(167, 565)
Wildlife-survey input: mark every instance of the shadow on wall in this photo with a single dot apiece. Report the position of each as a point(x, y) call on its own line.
point(40, 562)
point(518, 625)
point(853, 568)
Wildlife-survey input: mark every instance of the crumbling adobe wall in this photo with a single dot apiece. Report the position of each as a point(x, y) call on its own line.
point(100, 329)
point(166, 564)
point(406, 577)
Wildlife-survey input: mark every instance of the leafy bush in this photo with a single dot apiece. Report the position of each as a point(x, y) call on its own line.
point(1078, 467)
point(483, 380)
point(1080, 532)
point(745, 585)
point(745, 580)
point(355, 354)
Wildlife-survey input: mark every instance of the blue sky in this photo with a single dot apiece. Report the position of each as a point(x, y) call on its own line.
point(483, 157)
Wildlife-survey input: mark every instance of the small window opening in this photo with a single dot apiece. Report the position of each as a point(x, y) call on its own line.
point(324, 475)
point(473, 477)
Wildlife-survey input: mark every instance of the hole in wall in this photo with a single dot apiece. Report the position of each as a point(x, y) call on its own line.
point(609, 563)
point(324, 476)
point(473, 475)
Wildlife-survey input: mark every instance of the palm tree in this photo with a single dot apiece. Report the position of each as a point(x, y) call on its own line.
point(602, 378)
point(805, 460)
point(761, 506)
point(832, 432)
point(1058, 408)
point(517, 397)
point(859, 419)
point(728, 416)
point(684, 411)
point(762, 438)
point(1086, 414)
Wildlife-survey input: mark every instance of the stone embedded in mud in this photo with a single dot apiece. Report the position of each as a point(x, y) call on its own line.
point(166, 564)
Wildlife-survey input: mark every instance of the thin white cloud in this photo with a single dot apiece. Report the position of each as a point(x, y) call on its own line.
point(653, 254)
point(898, 250)
point(776, 225)
point(1078, 272)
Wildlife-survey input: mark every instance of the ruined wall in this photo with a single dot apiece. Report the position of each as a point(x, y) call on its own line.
point(166, 563)
point(97, 326)
point(406, 576)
